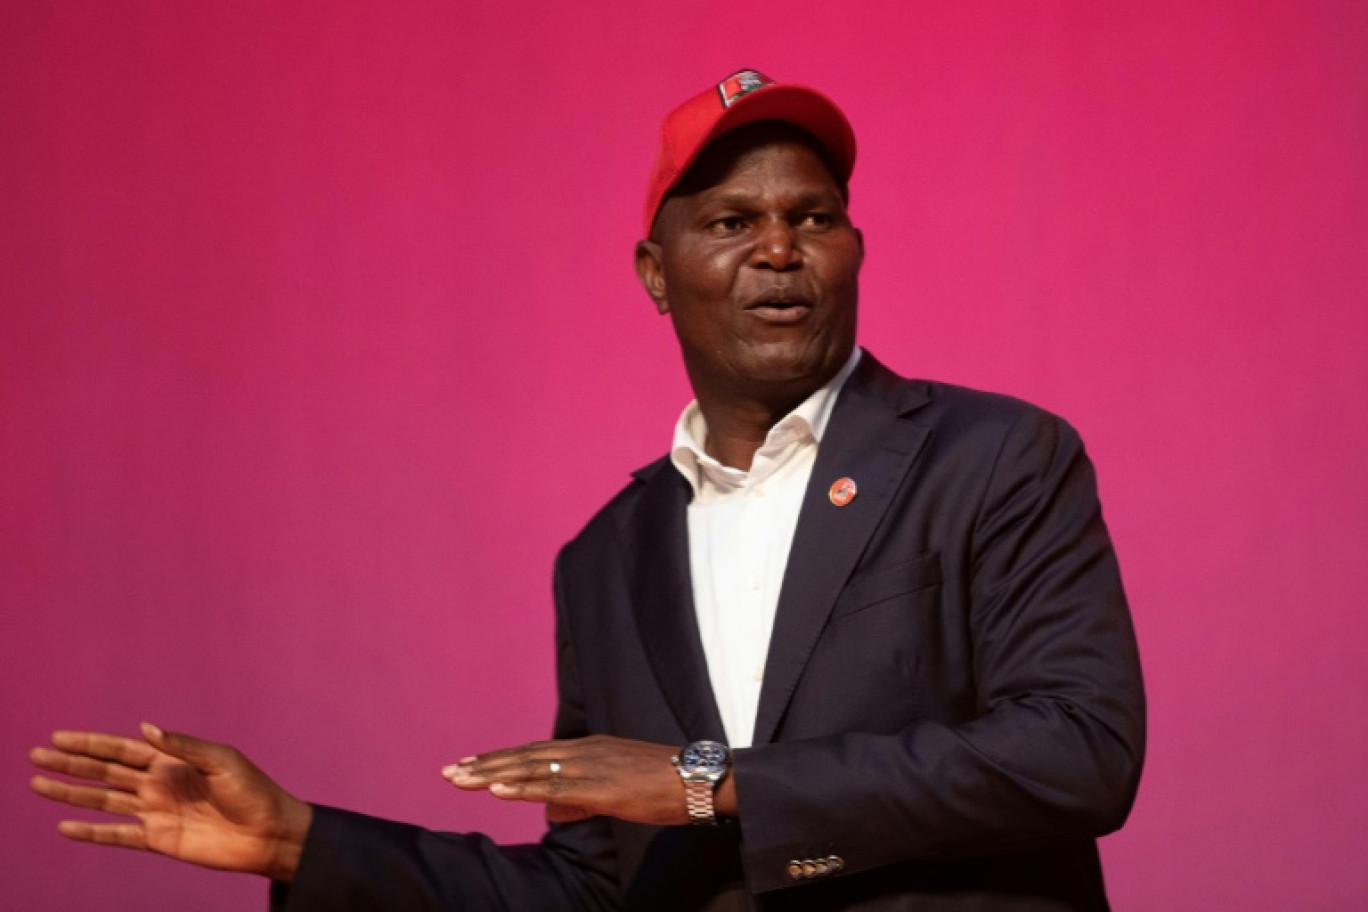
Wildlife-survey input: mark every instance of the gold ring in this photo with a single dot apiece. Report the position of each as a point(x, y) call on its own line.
point(555, 769)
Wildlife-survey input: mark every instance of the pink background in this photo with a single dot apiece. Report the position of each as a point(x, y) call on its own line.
point(319, 335)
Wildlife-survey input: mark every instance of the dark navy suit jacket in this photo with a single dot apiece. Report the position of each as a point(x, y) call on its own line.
point(952, 704)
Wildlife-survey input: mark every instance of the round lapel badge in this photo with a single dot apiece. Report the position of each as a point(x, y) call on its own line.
point(842, 491)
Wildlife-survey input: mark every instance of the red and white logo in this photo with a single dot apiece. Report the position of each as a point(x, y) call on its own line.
point(842, 491)
point(740, 84)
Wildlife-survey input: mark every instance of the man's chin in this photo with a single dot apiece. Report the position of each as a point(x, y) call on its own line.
point(789, 370)
point(780, 373)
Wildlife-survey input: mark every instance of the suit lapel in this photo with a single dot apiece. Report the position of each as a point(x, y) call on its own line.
point(868, 441)
point(662, 600)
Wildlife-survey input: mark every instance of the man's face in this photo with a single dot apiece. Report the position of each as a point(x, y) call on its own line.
point(756, 262)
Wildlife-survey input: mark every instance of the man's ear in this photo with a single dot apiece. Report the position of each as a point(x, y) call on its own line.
point(651, 272)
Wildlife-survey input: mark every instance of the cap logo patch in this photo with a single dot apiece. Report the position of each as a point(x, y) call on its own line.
point(740, 84)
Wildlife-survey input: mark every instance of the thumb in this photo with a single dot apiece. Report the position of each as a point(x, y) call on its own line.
point(208, 756)
point(565, 813)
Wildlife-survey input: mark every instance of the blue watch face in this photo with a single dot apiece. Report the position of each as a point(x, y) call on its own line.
point(704, 755)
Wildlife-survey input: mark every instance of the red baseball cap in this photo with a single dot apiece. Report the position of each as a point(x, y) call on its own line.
point(744, 97)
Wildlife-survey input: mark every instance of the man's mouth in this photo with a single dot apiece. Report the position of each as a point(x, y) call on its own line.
point(780, 305)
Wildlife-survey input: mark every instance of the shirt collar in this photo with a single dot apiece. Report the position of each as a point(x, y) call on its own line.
point(688, 452)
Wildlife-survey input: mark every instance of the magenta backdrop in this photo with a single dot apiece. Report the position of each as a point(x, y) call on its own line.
point(319, 335)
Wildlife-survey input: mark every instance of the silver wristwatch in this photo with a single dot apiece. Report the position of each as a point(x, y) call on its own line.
point(702, 765)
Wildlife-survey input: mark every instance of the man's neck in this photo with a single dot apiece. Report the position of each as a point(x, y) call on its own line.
point(738, 421)
point(737, 430)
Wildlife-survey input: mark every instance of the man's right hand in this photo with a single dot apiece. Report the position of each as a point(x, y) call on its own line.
point(194, 800)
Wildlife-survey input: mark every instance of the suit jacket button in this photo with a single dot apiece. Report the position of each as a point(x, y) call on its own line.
point(835, 863)
point(822, 867)
point(809, 868)
point(795, 870)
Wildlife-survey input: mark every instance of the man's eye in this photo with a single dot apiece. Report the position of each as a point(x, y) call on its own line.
point(817, 220)
point(728, 224)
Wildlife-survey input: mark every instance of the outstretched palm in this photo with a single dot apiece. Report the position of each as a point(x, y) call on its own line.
point(194, 800)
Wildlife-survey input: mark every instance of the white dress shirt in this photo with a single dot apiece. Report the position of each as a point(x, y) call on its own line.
point(741, 526)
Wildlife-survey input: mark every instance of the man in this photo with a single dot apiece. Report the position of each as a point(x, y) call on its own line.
point(894, 600)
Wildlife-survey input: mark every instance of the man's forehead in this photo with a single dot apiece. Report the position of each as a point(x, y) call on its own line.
point(737, 149)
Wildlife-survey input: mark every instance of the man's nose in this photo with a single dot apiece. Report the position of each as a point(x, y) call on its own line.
point(775, 246)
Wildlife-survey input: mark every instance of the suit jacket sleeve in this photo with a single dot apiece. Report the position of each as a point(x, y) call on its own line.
point(1043, 744)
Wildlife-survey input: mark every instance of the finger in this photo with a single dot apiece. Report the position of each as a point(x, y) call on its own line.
point(511, 768)
point(524, 748)
point(84, 796)
point(56, 761)
point(464, 779)
point(522, 751)
point(128, 751)
point(545, 791)
point(124, 835)
point(208, 756)
point(531, 760)
point(476, 776)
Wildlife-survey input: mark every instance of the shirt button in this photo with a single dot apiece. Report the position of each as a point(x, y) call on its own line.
point(758, 490)
point(758, 675)
point(756, 584)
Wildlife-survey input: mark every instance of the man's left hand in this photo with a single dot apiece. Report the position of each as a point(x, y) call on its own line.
point(586, 777)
